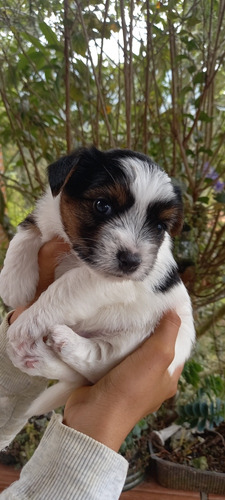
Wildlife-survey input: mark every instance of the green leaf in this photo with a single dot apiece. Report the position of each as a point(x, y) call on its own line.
point(196, 102)
point(33, 40)
point(199, 77)
point(79, 44)
point(76, 93)
point(22, 63)
point(192, 45)
point(218, 405)
point(193, 20)
point(191, 69)
point(186, 89)
point(180, 57)
point(196, 409)
point(220, 197)
point(172, 15)
point(205, 150)
point(203, 117)
point(38, 59)
point(204, 199)
point(190, 153)
point(191, 372)
point(202, 424)
point(189, 410)
point(203, 407)
point(48, 33)
point(200, 463)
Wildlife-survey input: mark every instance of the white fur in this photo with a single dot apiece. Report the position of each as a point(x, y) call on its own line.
point(93, 318)
point(160, 187)
point(19, 276)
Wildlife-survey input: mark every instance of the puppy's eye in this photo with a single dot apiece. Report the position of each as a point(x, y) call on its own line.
point(161, 226)
point(103, 207)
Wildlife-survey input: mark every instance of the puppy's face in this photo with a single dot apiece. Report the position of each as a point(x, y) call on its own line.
point(116, 208)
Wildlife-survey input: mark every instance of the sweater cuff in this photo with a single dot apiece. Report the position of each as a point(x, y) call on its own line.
point(68, 464)
point(5, 322)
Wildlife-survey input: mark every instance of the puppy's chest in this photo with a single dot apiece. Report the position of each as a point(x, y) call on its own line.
point(140, 314)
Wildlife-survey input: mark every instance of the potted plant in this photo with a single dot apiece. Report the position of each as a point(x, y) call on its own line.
point(193, 456)
point(135, 450)
point(22, 447)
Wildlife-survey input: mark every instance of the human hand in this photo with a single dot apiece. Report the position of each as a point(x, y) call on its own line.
point(108, 410)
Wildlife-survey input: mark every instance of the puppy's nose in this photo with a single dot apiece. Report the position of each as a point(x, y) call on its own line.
point(128, 261)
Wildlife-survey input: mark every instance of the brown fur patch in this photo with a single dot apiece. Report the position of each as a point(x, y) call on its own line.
point(78, 214)
point(74, 214)
point(115, 193)
point(174, 217)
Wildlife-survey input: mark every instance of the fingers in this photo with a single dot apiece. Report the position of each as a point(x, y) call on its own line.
point(48, 258)
point(159, 349)
point(168, 326)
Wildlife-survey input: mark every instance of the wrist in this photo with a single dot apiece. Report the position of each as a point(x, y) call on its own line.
point(95, 415)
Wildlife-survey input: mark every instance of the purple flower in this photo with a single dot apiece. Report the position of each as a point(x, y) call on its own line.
point(211, 173)
point(219, 186)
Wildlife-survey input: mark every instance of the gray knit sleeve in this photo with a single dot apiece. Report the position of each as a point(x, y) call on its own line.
point(17, 391)
point(69, 465)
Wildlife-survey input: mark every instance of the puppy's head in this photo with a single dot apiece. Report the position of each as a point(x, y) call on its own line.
point(117, 208)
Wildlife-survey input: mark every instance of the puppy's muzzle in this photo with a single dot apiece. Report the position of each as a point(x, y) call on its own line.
point(128, 261)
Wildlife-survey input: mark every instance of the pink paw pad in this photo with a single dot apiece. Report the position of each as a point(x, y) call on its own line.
point(30, 363)
point(54, 344)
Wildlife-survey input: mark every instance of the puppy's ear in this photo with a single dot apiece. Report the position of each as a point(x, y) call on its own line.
point(178, 213)
point(59, 171)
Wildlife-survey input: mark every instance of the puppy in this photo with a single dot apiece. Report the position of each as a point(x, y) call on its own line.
point(118, 211)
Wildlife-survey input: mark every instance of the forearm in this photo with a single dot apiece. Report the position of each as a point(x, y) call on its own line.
point(86, 469)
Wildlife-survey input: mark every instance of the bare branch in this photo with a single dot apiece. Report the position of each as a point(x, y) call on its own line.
point(67, 75)
point(111, 139)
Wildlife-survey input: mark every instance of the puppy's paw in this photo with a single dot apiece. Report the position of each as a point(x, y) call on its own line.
point(25, 345)
point(24, 354)
point(60, 340)
point(68, 346)
point(39, 360)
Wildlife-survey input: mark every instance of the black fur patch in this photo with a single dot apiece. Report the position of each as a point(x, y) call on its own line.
point(60, 169)
point(170, 280)
point(169, 213)
point(89, 167)
point(95, 169)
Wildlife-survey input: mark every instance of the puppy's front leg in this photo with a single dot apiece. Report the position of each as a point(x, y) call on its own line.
point(92, 357)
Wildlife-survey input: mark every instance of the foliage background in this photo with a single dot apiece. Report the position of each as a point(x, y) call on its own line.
point(148, 75)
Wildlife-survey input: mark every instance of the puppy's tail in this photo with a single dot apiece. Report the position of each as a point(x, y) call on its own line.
point(53, 397)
